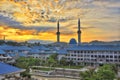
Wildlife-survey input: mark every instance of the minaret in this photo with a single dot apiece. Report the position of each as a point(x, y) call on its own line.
point(4, 37)
point(58, 32)
point(79, 32)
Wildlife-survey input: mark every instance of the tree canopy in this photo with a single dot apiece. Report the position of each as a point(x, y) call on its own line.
point(106, 72)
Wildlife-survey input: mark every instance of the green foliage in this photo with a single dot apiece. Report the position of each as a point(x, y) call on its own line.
point(105, 72)
point(42, 68)
point(26, 62)
point(63, 62)
point(70, 62)
point(25, 74)
point(52, 61)
point(88, 75)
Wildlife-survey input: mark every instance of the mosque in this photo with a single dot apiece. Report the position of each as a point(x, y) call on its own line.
point(93, 55)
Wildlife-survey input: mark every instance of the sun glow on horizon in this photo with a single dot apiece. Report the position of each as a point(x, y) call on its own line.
point(23, 20)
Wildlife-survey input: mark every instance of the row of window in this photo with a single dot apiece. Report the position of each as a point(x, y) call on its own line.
point(94, 51)
point(107, 60)
point(96, 56)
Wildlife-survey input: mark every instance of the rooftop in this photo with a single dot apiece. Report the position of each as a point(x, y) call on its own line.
point(8, 69)
point(96, 47)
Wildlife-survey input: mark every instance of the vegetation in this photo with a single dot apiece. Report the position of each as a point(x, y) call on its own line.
point(52, 61)
point(41, 68)
point(23, 62)
point(106, 72)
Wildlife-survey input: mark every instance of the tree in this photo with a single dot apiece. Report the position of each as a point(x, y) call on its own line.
point(88, 75)
point(52, 61)
point(26, 62)
point(63, 61)
point(105, 72)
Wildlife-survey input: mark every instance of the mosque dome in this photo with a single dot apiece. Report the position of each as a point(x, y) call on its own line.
point(72, 41)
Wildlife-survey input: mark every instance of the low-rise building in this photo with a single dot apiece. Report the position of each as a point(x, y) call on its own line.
point(4, 57)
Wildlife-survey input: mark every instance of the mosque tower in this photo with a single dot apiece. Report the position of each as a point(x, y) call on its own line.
point(79, 32)
point(4, 37)
point(58, 32)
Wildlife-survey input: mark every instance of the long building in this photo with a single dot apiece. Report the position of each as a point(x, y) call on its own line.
point(94, 55)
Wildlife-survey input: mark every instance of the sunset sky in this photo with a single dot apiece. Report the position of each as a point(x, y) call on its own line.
point(22, 20)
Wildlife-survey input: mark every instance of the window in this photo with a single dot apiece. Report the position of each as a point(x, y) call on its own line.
point(103, 56)
point(99, 56)
point(91, 55)
point(111, 56)
point(111, 60)
point(116, 60)
point(74, 51)
point(74, 55)
point(81, 51)
point(87, 55)
point(107, 56)
point(107, 60)
point(91, 51)
point(115, 56)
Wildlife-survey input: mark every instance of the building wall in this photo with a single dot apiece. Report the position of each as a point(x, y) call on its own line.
point(93, 57)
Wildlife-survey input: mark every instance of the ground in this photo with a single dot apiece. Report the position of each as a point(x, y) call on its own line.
point(44, 78)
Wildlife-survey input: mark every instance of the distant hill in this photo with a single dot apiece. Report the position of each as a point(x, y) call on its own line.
point(96, 42)
point(51, 43)
point(59, 44)
point(40, 41)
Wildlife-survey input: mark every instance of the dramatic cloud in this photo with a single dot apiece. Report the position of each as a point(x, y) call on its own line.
point(37, 19)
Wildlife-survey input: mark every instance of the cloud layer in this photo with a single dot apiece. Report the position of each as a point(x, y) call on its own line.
point(37, 19)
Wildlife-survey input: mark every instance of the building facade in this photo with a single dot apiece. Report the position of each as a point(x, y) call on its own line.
point(94, 55)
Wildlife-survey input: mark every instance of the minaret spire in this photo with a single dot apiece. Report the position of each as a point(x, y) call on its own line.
point(4, 37)
point(79, 32)
point(58, 31)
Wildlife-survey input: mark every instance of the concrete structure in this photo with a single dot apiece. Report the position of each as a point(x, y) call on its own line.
point(94, 55)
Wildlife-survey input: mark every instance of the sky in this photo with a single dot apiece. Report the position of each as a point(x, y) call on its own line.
point(22, 20)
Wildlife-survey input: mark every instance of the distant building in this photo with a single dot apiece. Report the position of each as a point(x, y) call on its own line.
point(44, 53)
point(4, 57)
point(40, 52)
point(15, 51)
